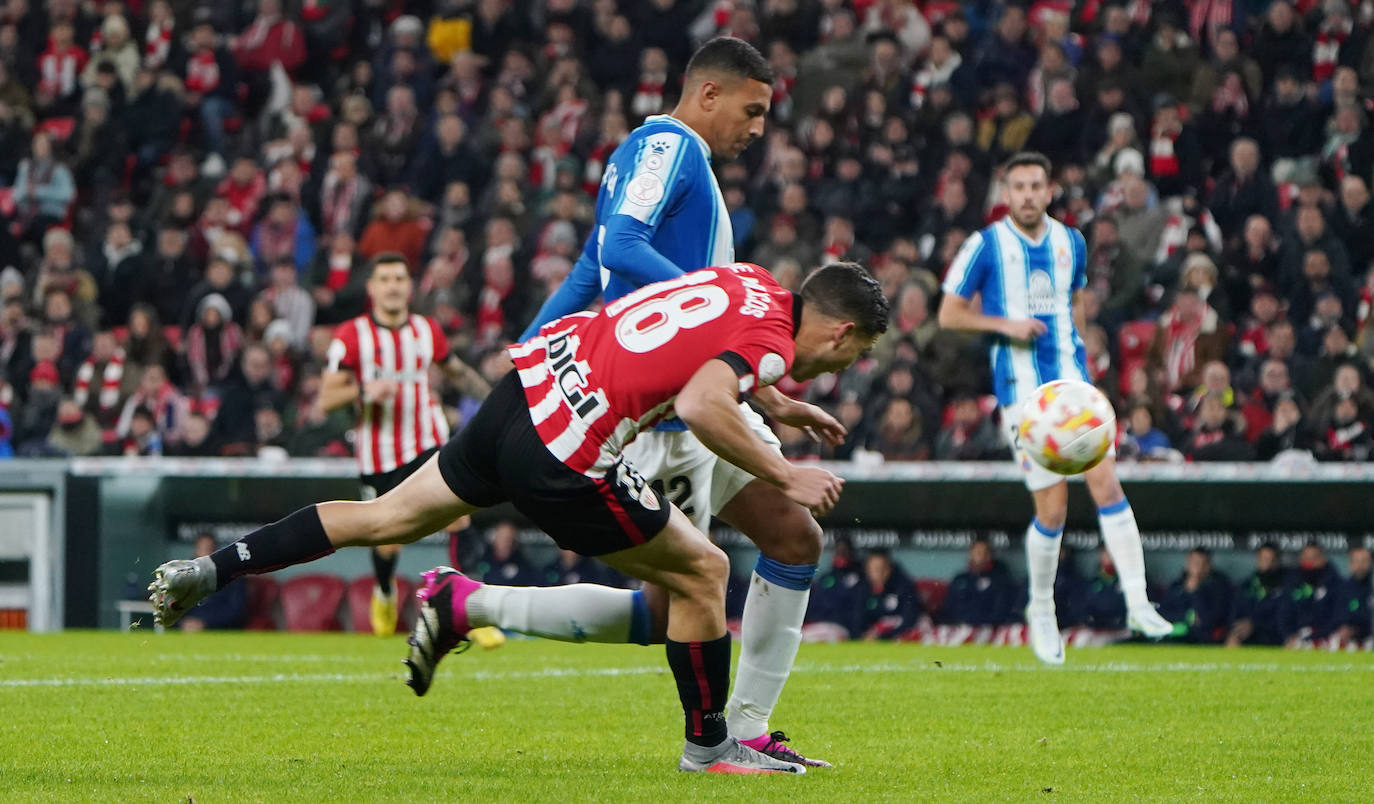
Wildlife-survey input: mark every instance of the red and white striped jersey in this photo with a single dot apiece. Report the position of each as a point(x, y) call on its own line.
point(394, 432)
point(594, 380)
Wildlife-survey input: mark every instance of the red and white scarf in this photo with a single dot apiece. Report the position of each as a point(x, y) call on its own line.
point(157, 45)
point(110, 378)
point(1181, 343)
point(1206, 17)
point(1326, 50)
point(197, 356)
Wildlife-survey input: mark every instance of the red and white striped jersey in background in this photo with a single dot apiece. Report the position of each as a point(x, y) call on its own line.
point(393, 432)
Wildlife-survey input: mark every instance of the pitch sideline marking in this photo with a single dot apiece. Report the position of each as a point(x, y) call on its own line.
point(601, 672)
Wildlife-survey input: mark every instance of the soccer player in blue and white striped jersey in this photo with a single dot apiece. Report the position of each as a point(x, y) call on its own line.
point(1028, 272)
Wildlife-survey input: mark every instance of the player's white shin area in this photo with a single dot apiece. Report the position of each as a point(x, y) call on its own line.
point(770, 636)
point(581, 612)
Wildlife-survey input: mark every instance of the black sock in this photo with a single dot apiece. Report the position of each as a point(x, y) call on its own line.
point(296, 539)
point(702, 670)
point(384, 569)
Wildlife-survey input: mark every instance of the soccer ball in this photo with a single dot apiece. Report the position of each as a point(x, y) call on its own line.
point(1067, 426)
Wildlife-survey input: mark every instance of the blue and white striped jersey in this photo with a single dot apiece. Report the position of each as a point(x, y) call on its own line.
point(1020, 279)
point(659, 213)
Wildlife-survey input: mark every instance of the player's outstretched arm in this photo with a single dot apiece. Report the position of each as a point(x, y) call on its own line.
point(627, 251)
point(709, 406)
point(578, 291)
point(794, 413)
point(956, 312)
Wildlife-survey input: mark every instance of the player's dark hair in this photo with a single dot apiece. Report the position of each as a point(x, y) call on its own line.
point(1028, 159)
point(1270, 546)
point(735, 57)
point(844, 290)
point(387, 258)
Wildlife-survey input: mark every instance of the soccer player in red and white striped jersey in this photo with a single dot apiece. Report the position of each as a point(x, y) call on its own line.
point(381, 361)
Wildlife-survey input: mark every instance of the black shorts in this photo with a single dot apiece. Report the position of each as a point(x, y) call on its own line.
point(499, 457)
point(382, 482)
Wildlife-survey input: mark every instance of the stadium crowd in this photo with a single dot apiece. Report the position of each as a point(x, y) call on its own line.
point(190, 191)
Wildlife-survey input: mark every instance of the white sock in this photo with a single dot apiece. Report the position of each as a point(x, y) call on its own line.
point(1042, 562)
point(580, 612)
point(1122, 538)
point(771, 634)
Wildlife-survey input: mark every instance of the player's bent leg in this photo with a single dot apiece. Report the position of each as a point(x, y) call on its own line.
point(1121, 536)
point(789, 541)
point(1043, 538)
point(693, 572)
point(420, 505)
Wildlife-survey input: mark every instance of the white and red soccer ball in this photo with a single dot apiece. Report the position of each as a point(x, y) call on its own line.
point(1067, 426)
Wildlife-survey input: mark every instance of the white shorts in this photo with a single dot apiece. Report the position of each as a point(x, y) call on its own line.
point(689, 475)
point(1035, 476)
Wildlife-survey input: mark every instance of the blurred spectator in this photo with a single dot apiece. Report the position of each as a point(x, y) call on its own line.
point(1199, 602)
point(212, 343)
point(1286, 430)
point(395, 227)
point(1344, 435)
point(1148, 441)
point(970, 435)
point(270, 39)
point(1356, 598)
point(345, 196)
point(983, 594)
point(99, 378)
point(141, 439)
point(240, 397)
point(284, 232)
point(168, 275)
point(290, 302)
point(1218, 434)
point(227, 608)
point(1309, 610)
point(159, 398)
point(43, 190)
point(1187, 336)
point(210, 76)
point(833, 591)
point(1256, 608)
point(76, 433)
point(36, 418)
point(504, 562)
point(146, 344)
point(118, 267)
point(336, 280)
point(1244, 190)
point(196, 440)
point(887, 605)
point(1102, 604)
point(1115, 274)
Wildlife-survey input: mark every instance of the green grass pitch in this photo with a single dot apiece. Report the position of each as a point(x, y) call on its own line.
point(131, 717)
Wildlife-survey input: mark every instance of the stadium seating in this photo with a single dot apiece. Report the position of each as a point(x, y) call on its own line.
point(311, 602)
point(263, 594)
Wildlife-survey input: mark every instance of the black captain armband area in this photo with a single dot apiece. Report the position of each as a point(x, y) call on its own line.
point(742, 370)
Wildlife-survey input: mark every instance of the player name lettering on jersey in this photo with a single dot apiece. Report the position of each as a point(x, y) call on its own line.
point(757, 300)
point(571, 377)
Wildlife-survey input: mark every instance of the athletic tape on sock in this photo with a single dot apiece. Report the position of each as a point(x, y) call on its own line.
point(788, 576)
